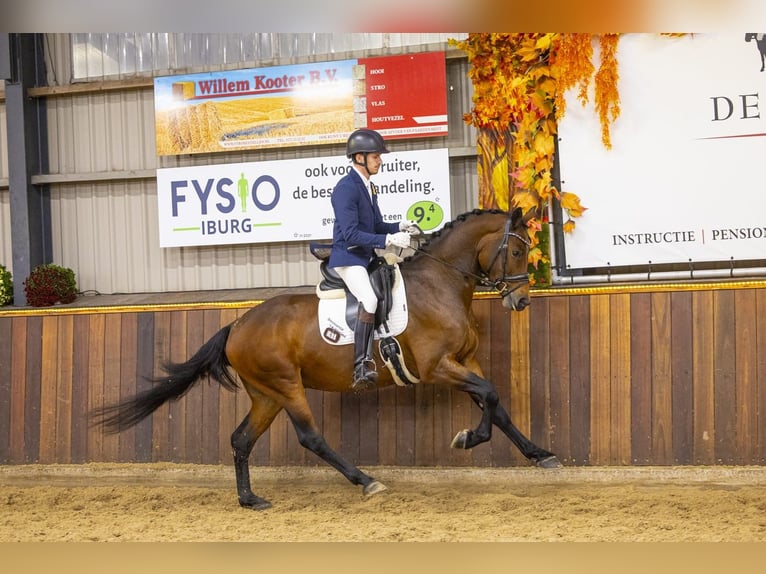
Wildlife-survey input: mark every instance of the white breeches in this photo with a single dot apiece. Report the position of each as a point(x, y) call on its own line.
point(358, 282)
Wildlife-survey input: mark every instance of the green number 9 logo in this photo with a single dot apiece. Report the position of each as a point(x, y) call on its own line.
point(427, 214)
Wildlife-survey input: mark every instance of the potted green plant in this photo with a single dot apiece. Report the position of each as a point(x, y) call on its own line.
point(49, 284)
point(6, 286)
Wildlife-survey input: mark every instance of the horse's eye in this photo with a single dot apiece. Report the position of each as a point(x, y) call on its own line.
point(516, 253)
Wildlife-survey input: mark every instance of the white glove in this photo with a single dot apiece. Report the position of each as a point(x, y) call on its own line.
point(401, 239)
point(410, 227)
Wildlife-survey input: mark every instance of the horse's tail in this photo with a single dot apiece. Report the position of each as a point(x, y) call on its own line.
point(210, 360)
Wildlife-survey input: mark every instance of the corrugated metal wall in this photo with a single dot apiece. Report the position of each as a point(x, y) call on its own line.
point(5, 210)
point(102, 158)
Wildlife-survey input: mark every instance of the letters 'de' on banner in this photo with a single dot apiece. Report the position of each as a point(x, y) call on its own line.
point(303, 104)
point(289, 200)
point(684, 178)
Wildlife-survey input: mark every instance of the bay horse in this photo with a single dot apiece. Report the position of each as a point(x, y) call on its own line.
point(277, 350)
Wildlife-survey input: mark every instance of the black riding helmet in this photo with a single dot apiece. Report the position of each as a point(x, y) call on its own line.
point(364, 141)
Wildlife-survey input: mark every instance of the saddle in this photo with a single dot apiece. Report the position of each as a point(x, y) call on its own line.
point(382, 274)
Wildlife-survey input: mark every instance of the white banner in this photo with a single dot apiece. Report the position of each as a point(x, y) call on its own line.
point(685, 177)
point(289, 200)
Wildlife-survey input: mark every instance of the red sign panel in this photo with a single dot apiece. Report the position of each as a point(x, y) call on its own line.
point(406, 95)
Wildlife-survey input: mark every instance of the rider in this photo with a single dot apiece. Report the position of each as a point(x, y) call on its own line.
point(359, 229)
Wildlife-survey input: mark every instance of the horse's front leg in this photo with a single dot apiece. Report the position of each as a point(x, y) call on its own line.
point(477, 386)
point(530, 450)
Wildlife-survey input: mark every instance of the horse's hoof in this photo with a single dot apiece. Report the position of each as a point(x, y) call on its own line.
point(461, 439)
point(255, 503)
point(549, 462)
point(374, 487)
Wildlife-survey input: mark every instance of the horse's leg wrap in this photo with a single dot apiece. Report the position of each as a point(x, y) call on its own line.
point(365, 374)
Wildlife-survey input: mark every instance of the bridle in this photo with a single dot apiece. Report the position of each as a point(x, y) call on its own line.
point(503, 284)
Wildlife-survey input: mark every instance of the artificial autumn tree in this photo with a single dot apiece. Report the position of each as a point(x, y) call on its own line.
point(519, 83)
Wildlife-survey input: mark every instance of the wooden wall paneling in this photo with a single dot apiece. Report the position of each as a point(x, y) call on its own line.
point(349, 426)
point(641, 378)
point(405, 426)
point(368, 428)
point(144, 371)
point(161, 448)
point(424, 425)
point(724, 333)
point(746, 385)
point(127, 380)
point(81, 417)
point(620, 396)
point(662, 395)
point(386, 424)
point(211, 396)
point(500, 363)
point(540, 373)
point(760, 359)
point(6, 361)
point(442, 401)
point(580, 384)
point(624, 378)
point(48, 397)
point(32, 396)
point(227, 403)
point(193, 419)
point(112, 364)
point(481, 455)
point(703, 367)
point(682, 377)
point(600, 364)
point(64, 406)
point(520, 378)
point(560, 426)
point(177, 409)
point(18, 389)
point(96, 348)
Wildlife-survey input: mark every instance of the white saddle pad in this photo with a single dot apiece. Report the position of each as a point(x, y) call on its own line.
point(332, 317)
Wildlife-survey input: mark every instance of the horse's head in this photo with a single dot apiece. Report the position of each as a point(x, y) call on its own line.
point(507, 270)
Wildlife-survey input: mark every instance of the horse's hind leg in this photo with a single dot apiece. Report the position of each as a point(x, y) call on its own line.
point(261, 415)
point(311, 439)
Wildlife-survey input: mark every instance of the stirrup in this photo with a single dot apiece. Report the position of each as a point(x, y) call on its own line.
point(365, 378)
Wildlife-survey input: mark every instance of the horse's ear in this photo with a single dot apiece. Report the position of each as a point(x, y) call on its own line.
point(518, 217)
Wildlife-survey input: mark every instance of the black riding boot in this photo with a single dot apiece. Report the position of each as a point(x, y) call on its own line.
point(365, 375)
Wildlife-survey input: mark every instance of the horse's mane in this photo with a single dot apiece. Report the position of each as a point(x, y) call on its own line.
point(447, 227)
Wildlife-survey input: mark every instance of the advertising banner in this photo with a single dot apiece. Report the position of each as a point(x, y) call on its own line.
point(289, 200)
point(684, 179)
point(303, 104)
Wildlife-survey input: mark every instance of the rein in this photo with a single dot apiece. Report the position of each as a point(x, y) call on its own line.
point(503, 284)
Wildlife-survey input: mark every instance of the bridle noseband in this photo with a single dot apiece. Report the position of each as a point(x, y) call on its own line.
point(503, 284)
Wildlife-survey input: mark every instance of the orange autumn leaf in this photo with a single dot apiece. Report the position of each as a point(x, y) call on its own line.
point(571, 203)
